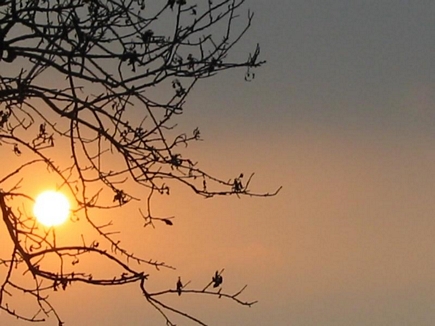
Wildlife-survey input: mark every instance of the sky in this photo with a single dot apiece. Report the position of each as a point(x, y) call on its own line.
point(341, 117)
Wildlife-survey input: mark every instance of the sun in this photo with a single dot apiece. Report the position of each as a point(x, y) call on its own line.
point(51, 208)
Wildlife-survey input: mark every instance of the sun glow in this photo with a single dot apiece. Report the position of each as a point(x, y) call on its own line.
point(51, 208)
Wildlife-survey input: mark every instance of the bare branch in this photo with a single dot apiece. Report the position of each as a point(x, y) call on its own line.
point(79, 80)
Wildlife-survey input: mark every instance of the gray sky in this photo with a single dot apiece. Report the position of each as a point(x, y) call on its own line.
point(342, 117)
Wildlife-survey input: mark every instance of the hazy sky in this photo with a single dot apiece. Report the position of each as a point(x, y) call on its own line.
point(342, 116)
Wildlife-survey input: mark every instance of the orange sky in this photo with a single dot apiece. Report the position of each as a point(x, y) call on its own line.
point(342, 118)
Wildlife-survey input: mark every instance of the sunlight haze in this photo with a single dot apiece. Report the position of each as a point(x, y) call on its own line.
point(342, 117)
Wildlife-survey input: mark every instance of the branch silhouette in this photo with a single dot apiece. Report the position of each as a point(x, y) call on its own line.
point(102, 83)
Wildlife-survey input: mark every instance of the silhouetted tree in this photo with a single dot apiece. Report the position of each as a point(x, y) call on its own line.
point(90, 90)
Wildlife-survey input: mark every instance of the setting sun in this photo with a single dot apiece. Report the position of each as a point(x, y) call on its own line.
point(51, 208)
